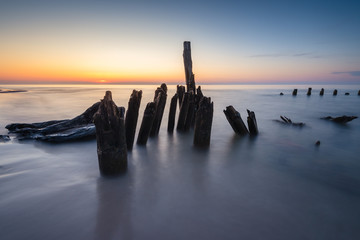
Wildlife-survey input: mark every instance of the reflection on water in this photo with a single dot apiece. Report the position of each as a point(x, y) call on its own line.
point(278, 185)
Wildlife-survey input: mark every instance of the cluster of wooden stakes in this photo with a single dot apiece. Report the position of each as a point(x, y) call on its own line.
point(115, 134)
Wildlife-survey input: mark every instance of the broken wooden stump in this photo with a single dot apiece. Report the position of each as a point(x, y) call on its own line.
point(234, 118)
point(110, 137)
point(180, 90)
point(335, 92)
point(322, 92)
point(281, 94)
point(288, 121)
point(343, 119)
point(294, 93)
point(359, 93)
point(172, 113)
point(309, 91)
point(146, 124)
point(189, 75)
point(160, 102)
point(183, 112)
point(78, 128)
point(347, 94)
point(131, 118)
point(203, 123)
point(252, 124)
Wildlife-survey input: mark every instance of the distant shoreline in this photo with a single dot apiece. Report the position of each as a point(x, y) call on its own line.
point(11, 91)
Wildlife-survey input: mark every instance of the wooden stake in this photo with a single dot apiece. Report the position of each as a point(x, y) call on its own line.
point(172, 113)
point(147, 122)
point(203, 123)
point(110, 137)
point(235, 121)
point(132, 117)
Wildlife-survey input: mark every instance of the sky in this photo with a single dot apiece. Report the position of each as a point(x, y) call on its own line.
point(141, 41)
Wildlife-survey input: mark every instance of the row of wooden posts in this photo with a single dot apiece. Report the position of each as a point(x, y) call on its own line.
point(115, 133)
point(335, 92)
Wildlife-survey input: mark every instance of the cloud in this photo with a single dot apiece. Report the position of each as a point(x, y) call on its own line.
point(276, 55)
point(351, 73)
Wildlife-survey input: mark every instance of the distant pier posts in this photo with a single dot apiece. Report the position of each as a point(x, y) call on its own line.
point(309, 92)
point(172, 113)
point(203, 123)
point(146, 124)
point(294, 93)
point(335, 92)
point(110, 137)
point(322, 92)
point(234, 118)
point(131, 118)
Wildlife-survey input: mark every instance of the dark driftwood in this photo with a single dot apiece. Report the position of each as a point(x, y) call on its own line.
point(77, 128)
point(309, 91)
point(294, 93)
point(191, 111)
point(4, 138)
point(172, 113)
point(235, 121)
point(110, 137)
point(203, 123)
point(251, 119)
point(146, 124)
point(335, 92)
point(322, 92)
point(180, 90)
point(131, 119)
point(342, 119)
point(288, 121)
point(190, 79)
point(183, 112)
point(160, 102)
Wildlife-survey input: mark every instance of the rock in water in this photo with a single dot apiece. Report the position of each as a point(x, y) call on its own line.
point(342, 119)
point(110, 137)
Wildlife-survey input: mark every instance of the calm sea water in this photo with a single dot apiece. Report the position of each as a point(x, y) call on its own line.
point(278, 185)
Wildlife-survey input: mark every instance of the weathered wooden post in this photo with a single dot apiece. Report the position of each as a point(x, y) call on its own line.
point(253, 129)
point(180, 90)
point(190, 79)
point(335, 92)
point(359, 93)
point(183, 112)
point(146, 124)
point(110, 137)
point(234, 118)
point(131, 118)
point(322, 92)
point(203, 123)
point(160, 102)
point(172, 113)
point(309, 91)
point(191, 112)
point(294, 93)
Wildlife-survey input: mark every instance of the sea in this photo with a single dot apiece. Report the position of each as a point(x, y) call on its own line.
point(276, 185)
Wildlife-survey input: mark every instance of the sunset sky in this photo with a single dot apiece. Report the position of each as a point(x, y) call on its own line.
point(141, 41)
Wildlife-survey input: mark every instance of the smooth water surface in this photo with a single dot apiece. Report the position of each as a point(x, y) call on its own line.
point(277, 185)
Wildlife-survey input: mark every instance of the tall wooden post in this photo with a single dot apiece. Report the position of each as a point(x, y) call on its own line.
point(189, 75)
point(110, 137)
